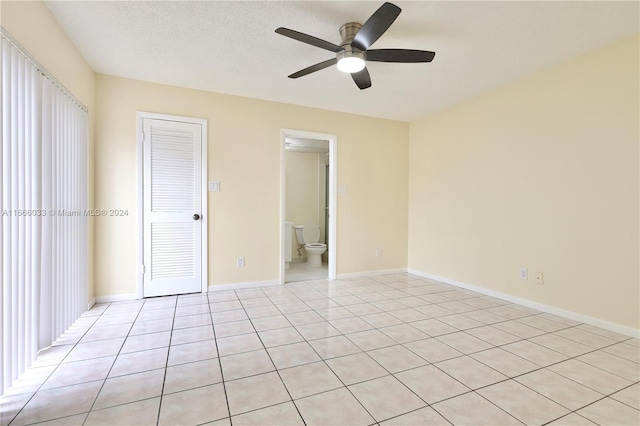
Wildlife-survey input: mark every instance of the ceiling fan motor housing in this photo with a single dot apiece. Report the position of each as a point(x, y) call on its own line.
point(348, 31)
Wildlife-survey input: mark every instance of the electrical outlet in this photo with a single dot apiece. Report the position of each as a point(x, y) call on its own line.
point(240, 262)
point(524, 274)
point(378, 252)
point(539, 278)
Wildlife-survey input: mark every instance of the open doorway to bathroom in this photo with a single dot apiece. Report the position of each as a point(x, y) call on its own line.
point(308, 208)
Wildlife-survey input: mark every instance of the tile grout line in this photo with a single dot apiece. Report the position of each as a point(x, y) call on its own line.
point(166, 365)
point(224, 385)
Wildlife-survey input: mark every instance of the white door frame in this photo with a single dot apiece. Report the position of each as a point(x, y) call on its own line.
point(333, 195)
point(204, 216)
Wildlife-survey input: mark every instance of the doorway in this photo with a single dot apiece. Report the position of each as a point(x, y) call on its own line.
point(319, 150)
point(172, 205)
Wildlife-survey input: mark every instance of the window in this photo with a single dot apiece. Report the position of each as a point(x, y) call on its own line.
point(43, 173)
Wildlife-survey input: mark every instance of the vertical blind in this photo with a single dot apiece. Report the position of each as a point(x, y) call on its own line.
point(44, 232)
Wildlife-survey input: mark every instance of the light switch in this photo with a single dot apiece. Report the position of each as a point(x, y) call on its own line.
point(342, 190)
point(214, 185)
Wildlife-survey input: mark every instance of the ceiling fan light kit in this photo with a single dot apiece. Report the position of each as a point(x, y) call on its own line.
point(351, 64)
point(350, 59)
point(353, 51)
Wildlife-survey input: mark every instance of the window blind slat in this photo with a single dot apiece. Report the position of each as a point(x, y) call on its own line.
point(13, 204)
point(5, 368)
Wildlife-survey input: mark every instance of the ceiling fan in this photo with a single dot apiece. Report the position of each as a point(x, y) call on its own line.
point(353, 51)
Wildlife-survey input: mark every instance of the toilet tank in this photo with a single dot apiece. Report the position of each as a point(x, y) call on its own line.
point(288, 235)
point(299, 237)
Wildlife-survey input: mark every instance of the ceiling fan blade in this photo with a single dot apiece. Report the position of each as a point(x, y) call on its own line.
point(306, 38)
point(375, 26)
point(314, 68)
point(362, 78)
point(400, 55)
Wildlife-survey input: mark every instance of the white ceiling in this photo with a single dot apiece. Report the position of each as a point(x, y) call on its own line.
point(231, 47)
point(312, 146)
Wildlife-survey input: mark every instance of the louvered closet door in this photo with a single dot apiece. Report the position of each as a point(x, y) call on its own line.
point(172, 188)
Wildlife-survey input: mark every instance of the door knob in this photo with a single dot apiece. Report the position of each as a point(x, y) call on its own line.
point(196, 216)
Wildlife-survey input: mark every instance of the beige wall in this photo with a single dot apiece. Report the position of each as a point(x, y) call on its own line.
point(33, 26)
point(541, 174)
point(304, 194)
point(244, 155)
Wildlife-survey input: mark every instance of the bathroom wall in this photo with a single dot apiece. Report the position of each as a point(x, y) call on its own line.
point(304, 195)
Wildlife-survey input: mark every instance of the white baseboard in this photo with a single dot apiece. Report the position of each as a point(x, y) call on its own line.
point(91, 303)
point(607, 325)
point(116, 298)
point(219, 287)
point(238, 286)
point(370, 273)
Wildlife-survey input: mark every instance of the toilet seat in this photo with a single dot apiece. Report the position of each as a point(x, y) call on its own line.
point(318, 245)
point(311, 233)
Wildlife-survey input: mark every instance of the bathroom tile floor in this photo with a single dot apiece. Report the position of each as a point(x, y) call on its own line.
point(301, 271)
point(388, 349)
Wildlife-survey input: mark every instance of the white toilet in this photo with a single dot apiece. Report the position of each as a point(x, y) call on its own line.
point(309, 235)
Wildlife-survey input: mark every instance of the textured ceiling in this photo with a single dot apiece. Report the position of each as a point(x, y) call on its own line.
point(313, 146)
point(231, 47)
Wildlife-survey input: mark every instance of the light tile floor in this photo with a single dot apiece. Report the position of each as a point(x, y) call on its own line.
point(301, 271)
point(389, 350)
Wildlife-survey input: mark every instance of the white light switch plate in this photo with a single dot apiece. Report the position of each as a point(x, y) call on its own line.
point(214, 185)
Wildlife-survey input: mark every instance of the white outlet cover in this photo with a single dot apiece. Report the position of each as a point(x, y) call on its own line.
point(524, 274)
